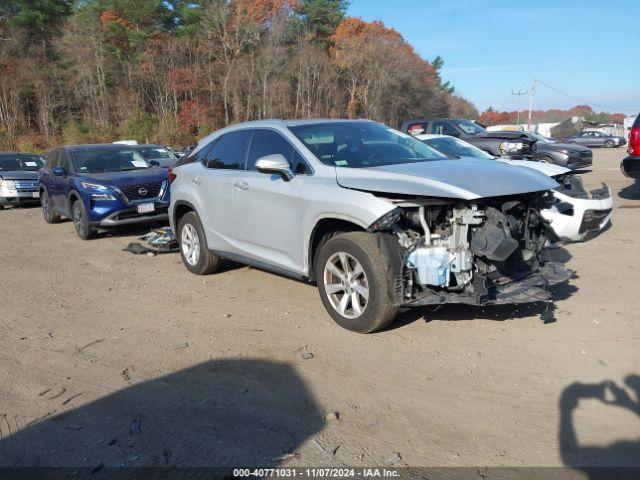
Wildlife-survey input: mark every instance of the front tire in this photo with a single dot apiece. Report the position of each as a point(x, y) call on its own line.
point(353, 283)
point(193, 246)
point(47, 208)
point(609, 144)
point(545, 159)
point(81, 221)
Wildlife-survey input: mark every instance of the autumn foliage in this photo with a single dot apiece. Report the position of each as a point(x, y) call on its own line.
point(100, 70)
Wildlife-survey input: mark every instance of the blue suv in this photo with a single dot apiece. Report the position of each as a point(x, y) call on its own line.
point(100, 186)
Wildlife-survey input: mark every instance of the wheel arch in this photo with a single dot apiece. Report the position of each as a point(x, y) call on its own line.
point(180, 209)
point(322, 231)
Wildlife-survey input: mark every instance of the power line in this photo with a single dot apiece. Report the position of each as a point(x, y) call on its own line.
point(519, 93)
point(586, 102)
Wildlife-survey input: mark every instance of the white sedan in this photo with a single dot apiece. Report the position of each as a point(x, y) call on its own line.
point(577, 216)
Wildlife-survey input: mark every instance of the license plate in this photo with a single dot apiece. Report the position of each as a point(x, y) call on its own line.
point(146, 207)
point(35, 194)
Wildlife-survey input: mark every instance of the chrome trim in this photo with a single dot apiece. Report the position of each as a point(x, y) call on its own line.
point(109, 221)
point(163, 188)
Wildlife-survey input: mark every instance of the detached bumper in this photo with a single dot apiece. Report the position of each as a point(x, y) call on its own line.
point(579, 219)
point(529, 289)
point(630, 167)
point(577, 162)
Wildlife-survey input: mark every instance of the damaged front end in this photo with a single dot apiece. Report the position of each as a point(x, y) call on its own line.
point(578, 215)
point(481, 252)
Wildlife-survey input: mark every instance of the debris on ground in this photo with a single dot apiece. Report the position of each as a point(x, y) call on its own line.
point(159, 240)
point(136, 248)
point(548, 315)
point(307, 355)
point(332, 416)
point(287, 457)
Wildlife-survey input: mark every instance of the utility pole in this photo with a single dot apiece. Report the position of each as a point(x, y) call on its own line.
point(533, 90)
point(519, 93)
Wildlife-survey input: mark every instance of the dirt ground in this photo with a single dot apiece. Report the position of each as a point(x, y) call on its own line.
point(107, 358)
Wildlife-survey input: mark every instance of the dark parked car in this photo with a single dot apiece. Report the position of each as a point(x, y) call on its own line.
point(574, 157)
point(19, 178)
point(631, 165)
point(595, 139)
point(514, 145)
point(157, 155)
point(102, 186)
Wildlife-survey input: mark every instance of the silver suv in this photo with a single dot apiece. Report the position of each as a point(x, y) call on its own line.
point(379, 220)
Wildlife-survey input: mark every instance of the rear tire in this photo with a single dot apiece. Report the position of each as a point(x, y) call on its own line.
point(193, 246)
point(353, 283)
point(47, 209)
point(81, 221)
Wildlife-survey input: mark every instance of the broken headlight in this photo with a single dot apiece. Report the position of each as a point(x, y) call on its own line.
point(511, 147)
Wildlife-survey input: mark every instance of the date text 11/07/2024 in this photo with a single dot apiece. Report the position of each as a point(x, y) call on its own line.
point(317, 472)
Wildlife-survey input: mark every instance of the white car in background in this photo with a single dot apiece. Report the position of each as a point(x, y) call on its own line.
point(577, 216)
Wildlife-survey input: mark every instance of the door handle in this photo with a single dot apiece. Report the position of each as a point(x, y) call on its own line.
point(196, 180)
point(242, 185)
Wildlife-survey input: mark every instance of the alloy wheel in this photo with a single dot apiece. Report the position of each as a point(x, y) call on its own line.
point(78, 219)
point(190, 243)
point(346, 285)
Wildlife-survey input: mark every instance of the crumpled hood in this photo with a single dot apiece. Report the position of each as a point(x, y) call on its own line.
point(464, 178)
point(126, 178)
point(505, 134)
point(18, 175)
point(555, 147)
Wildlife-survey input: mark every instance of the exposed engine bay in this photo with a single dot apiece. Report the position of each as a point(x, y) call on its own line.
point(486, 251)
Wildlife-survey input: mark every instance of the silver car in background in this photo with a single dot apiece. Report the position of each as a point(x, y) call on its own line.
point(19, 179)
point(379, 220)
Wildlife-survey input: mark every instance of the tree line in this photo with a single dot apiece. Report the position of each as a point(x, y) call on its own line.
point(494, 117)
point(170, 71)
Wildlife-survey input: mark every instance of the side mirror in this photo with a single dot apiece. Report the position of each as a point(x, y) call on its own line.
point(275, 163)
point(59, 171)
point(154, 163)
point(455, 134)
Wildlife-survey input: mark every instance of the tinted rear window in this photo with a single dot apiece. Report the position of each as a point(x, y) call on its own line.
point(228, 151)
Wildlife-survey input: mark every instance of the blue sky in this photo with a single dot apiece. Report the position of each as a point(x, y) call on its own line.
point(587, 48)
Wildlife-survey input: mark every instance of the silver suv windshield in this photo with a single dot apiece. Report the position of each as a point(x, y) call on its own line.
point(362, 144)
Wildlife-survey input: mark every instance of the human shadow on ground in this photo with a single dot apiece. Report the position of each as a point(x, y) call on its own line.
point(620, 459)
point(222, 413)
